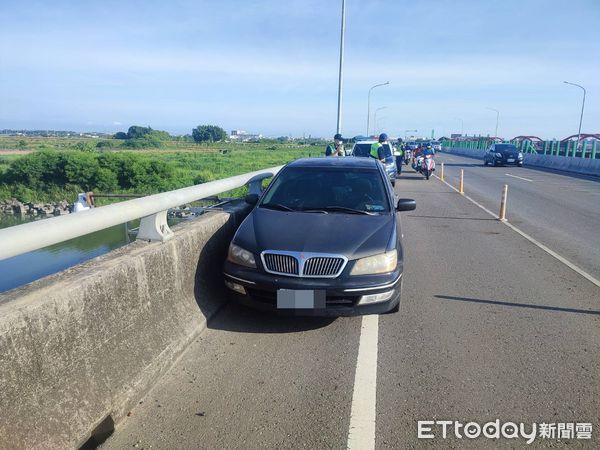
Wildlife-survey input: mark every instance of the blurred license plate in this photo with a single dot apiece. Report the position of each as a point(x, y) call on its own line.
point(292, 299)
point(510, 160)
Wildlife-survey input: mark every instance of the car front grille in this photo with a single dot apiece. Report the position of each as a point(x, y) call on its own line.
point(279, 263)
point(322, 266)
point(298, 264)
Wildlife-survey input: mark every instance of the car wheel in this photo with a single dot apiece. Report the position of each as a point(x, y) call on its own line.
point(393, 183)
point(485, 163)
point(520, 165)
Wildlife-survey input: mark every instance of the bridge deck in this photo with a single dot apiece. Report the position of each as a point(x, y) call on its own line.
point(490, 327)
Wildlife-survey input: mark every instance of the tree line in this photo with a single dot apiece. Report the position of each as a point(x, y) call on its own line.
point(138, 137)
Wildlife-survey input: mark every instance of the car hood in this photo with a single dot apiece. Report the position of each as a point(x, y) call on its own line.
point(351, 235)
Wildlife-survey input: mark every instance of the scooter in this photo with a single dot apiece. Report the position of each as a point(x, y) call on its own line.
point(417, 163)
point(427, 166)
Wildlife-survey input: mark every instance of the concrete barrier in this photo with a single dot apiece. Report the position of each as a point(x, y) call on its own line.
point(80, 348)
point(582, 166)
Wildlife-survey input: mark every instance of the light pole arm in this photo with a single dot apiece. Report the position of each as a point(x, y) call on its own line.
point(582, 108)
point(369, 103)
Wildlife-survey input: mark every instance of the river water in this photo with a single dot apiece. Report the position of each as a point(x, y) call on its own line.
point(23, 269)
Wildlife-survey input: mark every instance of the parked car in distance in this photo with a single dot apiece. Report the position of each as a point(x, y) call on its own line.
point(437, 146)
point(323, 239)
point(503, 154)
point(363, 149)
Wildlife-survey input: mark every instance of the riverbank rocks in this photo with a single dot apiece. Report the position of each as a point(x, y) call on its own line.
point(13, 206)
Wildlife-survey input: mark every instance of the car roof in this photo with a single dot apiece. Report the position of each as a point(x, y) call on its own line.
point(349, 161)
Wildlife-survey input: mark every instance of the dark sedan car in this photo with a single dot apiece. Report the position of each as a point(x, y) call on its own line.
point(323, 239)
point(503, 154)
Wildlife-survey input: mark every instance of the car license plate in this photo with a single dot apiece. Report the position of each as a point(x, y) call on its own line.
point(510, 160)
point(306, 299)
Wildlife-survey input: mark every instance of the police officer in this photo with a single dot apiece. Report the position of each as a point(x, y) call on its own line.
point(399, 154)
point(337, 148)
point(377, 151)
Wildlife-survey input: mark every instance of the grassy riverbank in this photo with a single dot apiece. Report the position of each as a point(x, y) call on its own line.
point(53, 169)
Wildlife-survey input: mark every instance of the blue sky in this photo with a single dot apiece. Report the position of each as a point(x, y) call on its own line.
point(271, 66)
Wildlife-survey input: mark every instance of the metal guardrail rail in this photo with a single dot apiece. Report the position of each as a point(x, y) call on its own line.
point(152, 209)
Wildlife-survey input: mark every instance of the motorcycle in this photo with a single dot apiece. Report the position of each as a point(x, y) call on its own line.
point(407, 156)
point(417, 162)
point(427, 166)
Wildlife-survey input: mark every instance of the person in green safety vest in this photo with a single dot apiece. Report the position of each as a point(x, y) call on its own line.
point(337, 148)
point(377, 151)
point(399, 155)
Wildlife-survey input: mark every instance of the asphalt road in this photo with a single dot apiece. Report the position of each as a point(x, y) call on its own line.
point(558, 209)
point(490, 327)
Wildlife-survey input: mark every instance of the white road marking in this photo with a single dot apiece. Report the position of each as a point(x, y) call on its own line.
point(563, 260)
point(361, 434)
point(520, 178)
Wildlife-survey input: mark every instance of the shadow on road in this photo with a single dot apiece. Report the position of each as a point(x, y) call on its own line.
point(519, 305)
point(238, 318)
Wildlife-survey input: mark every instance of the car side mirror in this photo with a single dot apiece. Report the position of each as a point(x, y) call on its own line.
point(406, 204)
point(251, 199)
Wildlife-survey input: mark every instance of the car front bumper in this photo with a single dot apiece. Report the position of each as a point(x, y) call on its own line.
point(505, 162)
point(343, 295)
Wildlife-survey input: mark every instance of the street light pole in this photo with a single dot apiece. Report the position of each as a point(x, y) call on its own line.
point(369, 103)
point(462, 125)
point(582, 106)
point(341, 71)
point(375, 118)
point(497, 118)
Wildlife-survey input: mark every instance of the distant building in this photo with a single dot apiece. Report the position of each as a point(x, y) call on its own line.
point(241, 135)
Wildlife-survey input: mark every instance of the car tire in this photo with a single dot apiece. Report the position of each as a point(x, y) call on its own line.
point(485, 163)
point(520, 165)
point(394, 183)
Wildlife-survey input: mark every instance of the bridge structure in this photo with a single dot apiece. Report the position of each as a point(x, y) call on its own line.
point(141, 348)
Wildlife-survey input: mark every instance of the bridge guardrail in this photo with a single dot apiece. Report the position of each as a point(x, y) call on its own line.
point(152, 209)
point(585, 150)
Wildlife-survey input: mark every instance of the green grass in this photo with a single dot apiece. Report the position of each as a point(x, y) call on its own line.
point(192, 163)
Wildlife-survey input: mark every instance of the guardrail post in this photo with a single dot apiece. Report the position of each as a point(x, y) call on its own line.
point(594, 145)
point(502, 215)
point(569, 148)
point(545, 146)
point(155, 228)
point(583, 149)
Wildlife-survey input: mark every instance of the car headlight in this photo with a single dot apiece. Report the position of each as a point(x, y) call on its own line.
point(520, 155)
point(382, 263)
point(499, 155)
point(238, 255)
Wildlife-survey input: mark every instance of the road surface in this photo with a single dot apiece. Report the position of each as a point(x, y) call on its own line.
point(490, 327)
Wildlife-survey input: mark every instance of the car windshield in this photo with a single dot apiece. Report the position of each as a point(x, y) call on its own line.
point(504, 148)
point(328, 190)
point(362, 149)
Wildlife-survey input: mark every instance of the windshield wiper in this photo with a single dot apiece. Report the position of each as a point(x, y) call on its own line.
point(315, 210)
point(277, 206)
point(347, 210)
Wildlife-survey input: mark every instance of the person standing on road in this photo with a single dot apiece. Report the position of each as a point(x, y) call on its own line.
point(399, 154)
point(337, 148)
point(377, 151)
